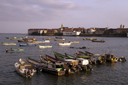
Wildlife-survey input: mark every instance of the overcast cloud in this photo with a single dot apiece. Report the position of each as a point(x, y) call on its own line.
point(18, 16)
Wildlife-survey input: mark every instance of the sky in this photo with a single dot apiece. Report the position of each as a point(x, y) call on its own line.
point(17, 16)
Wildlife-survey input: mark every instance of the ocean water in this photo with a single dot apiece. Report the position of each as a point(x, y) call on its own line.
point(107, 74)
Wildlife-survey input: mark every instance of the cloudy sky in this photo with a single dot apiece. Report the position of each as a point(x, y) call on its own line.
point(17, 16)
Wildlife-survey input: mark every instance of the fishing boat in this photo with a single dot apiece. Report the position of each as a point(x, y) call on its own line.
point(89, 39)
point(8, 43)
point(73, 41)
point(44, 60)
point(28, 65)
point(29, 39)
point(98, 41)
point(72, 64)
point(85, 53)
point(45, 41)
point(122, 59)
point(64, 44)
point(54, 60)
point(46, 38)
point(25, 45)
point(59, 39)
point(81, 56)
point(111, 58)
point(15, 38)
point(35, 62)
point(23, 70)
point(56, 69)
point(47, 46)
point(14, 50)
point(97, 59)
point(83, 63)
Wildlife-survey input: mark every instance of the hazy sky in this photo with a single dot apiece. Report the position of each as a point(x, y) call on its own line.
point(17, 16)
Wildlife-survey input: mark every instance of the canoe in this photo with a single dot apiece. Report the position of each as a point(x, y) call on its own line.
point(8, 43)
point(54, 60)
point(82, 56)
point(14, 38)
point(44, 60)
point(89, 39)
point(59, 39)
point(23, 70)
point(47, 38)
point(50, 67)
point(64, 44)
point(25, 45)
point(45, 46)
point(98, 41)
point(35, 62)
point(73, 41)
point(14, 50)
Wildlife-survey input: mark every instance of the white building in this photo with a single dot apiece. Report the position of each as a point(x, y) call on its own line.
point(71, 32)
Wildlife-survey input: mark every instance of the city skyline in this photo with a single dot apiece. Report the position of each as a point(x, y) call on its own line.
point(19, 16)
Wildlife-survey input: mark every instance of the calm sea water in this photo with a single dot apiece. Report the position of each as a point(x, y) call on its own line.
point(108, 74)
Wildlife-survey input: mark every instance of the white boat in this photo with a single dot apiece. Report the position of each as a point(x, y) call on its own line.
point(28, 65)
point(64, 44)
point(23, 70)
point(48, 46)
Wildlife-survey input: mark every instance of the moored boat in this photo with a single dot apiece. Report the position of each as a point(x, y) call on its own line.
point(25, 45)
point(14, 50)
point(8, 43)
point(47, 46)
point(23, 70)
point(47, 38)
point(73, 41)
point(98, 41)
point(64, 44)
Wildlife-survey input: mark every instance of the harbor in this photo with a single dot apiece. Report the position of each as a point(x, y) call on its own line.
point(107, 73)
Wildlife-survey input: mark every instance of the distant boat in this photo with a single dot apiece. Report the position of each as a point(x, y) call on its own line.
point(45, 46)
point(14, 50)
point(73, 41)
point(47, 38)
point(27, 45)
point(89, 39)
point(98, 41)
point(8, 43)
point(64, 44)
point(60, 38)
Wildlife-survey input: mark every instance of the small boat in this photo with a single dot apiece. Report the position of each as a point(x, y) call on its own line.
point(28, 65)
point(48, 46)
point(29, 39)
point(8, 43)
point(86, 53)
point(45, 41)
point(14, 50)
point(14, 38)
point(44, 60)
point(72, 64)
point(89, 39)
point(98, 41)
point(122, 59)
point(97, 59)
point(25, 45)
point(54, 60)
point(60, 38)
point(64, 44)
point(47, 38)
point(73, 41)
point(35, 62)
point(111, 58)
point(82, 56)
point(23, 70)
